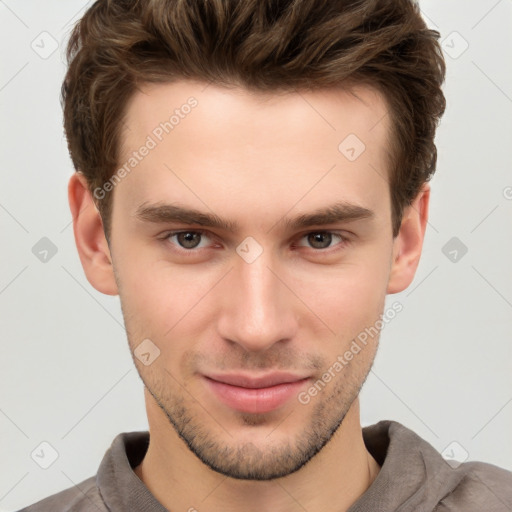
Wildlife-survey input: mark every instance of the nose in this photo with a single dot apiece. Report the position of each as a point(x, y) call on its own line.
point(258, 309)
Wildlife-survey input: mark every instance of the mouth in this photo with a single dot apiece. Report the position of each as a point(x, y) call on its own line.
point(255, 394)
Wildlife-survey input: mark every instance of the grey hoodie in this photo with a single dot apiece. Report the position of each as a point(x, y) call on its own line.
point(413, 477)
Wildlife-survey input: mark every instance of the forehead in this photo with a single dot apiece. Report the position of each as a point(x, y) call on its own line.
point(205, 137)
point(362, 109)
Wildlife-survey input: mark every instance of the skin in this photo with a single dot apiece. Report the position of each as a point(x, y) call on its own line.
point(258, 160)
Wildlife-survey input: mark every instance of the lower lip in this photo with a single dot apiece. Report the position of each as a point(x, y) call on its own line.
point(255, 401)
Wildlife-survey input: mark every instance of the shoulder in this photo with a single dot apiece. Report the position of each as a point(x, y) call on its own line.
point(82, 497)
point(413, 468)
point(480, 486)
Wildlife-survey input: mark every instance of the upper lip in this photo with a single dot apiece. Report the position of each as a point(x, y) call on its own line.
point(256, 382)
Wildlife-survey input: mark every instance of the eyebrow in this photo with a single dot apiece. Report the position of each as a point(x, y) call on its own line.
point(171, 213)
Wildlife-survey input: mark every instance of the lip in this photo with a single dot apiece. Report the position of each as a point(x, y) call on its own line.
point(255, 394)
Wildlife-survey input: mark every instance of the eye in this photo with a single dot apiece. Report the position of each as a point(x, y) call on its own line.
point(321, 240)
point(186, 240)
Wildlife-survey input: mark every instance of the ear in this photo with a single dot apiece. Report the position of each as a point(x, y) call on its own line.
point(89, 237)
point(409, 242)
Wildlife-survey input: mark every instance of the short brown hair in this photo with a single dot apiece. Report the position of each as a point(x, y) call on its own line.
point(264, 46)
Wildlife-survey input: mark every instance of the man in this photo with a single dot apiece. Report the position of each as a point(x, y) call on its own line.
point(252, 180)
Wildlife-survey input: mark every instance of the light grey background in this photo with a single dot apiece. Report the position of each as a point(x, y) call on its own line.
point(444, 364)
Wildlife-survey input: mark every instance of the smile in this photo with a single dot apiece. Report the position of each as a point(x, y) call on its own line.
point(255, 394)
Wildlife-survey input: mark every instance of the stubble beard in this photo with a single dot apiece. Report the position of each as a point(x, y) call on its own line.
point(248, 461)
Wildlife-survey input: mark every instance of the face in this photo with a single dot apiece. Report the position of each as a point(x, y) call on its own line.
point(250, 250)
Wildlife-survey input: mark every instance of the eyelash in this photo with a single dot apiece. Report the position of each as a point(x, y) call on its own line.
point(344, 240)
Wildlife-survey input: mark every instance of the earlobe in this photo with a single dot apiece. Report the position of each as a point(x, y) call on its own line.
point(408, 243)
point(90, 240)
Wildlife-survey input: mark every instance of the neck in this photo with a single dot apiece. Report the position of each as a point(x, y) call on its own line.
point(339, 474)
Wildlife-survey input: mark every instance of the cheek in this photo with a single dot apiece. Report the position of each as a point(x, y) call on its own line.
point(165, 303)
point(350, 296)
